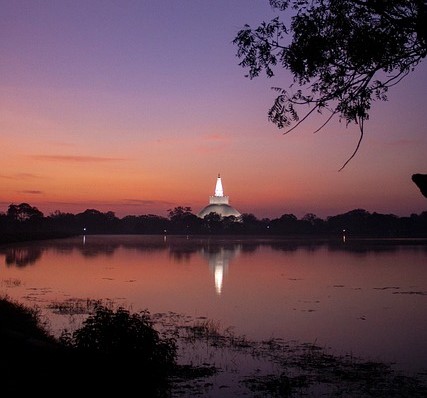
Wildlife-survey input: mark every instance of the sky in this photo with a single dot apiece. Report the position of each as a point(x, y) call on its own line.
point(136, 106)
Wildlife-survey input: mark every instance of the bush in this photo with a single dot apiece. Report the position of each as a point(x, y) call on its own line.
point(118, 334)
point(114, 352)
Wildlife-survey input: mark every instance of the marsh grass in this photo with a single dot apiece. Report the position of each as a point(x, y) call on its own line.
point(279, 368)
point(309, 370)
point(11, 282)
point(111, 351)
point(75, 306)
point(17, 321)
point(201, 358)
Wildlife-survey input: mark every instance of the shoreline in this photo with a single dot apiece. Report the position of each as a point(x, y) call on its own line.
point(299, 368)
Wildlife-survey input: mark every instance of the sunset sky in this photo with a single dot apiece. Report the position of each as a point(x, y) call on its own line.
point(136, 106)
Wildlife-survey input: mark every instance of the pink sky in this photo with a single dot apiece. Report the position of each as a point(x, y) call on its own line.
point(135, 107)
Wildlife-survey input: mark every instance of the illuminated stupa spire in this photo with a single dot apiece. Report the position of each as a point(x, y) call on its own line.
point(218, 188)
point(219, 197)
point(218, 203)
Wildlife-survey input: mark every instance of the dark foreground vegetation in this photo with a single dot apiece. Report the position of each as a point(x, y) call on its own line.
point(113, 352)
point(26, 222)
point(117, 352)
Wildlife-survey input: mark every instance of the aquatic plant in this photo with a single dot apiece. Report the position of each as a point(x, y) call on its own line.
point(122, 335)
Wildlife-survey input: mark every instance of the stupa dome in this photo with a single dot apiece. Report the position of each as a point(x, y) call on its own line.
point(218, 203)
point(223, 210)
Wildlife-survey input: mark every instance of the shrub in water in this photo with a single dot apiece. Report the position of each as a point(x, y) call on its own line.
point(122, 337)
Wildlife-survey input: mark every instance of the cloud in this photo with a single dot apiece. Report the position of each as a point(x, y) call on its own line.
point(403, 142)
point(398, 143)
point(32, 192)
point(112, 204)
point(143, 202)
point(73, 158)
point(213, 142)
point(215, 137)
point(19, 176)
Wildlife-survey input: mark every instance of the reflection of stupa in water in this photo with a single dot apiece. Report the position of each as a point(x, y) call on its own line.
point(219, 258)
point(219, 203)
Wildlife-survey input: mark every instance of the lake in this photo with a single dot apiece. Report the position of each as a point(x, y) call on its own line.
point(367, 298)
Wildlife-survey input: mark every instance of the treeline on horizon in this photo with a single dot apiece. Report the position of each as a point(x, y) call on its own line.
point(26, 222)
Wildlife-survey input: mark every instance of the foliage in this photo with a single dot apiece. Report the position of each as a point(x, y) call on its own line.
point(357, 222)
point(23, 212)
point(420, 181)
point(41, 369)
point(18, 319)
point(120, 334)
point(179, 212)
point(294, 369)
point(343, 54)
point(182, 220)
point(111, 352)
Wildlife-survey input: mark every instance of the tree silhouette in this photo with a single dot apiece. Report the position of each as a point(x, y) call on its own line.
point(420, 181)
point(24, 212)
point(343, 55)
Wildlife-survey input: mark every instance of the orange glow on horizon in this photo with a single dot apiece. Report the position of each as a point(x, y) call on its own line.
point(139, 126)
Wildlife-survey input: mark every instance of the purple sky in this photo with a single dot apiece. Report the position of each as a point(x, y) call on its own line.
point(136, 106)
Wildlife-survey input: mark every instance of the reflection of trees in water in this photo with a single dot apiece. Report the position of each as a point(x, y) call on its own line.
point(107, 249)
point(364, 246)
point(22, 256)
point(355, 246)
point(249, 247)
point(182, 248)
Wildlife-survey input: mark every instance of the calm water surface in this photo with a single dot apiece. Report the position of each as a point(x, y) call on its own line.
point(367, 298)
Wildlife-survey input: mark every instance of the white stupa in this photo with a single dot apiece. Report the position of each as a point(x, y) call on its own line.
point(218, 203)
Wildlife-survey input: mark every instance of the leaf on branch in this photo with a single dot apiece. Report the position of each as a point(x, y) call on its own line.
point(347, 53)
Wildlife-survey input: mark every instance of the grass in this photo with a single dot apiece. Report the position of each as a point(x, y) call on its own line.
point(110, 353)
point(278, 368)
point(173, 355)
